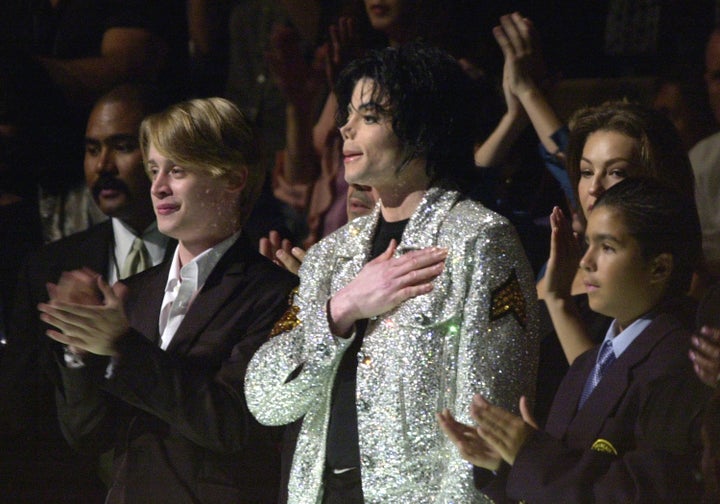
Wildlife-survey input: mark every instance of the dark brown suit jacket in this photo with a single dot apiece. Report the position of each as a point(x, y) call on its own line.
point(636, 439)
point(32, 448)
point(177, 419)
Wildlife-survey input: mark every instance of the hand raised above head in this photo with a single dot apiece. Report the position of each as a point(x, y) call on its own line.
point(384, 283)
point(525, 67)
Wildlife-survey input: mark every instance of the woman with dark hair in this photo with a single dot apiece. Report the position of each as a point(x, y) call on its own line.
point(607, 144)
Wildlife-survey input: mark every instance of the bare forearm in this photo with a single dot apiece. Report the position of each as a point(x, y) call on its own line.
point(569, 327)
point(494, 150)
point(542, 116)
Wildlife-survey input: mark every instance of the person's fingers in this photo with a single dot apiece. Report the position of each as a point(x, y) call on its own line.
point(526, 413)
point(522, 29)
point(275, 239)
point(708, 348)
point(511, 31)
point(289, 262)
point(504, 42)
point(265, 248)
point(120, 290)
point(298, 253)
point(417, 262)
point(286, 246)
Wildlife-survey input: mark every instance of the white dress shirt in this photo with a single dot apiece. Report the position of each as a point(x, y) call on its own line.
point(184, 283)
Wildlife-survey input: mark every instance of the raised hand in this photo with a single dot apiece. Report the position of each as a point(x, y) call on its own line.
point(344, 47)
point(281, 252)
point(564, 258)
point(524, 67)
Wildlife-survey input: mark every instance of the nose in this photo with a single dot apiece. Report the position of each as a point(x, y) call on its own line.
point(596, 185)
point(587, 262)
point(159, 186)
point(346, 130)
point(105, 162)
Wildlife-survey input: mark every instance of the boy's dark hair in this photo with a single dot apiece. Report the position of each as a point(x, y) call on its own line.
point(662, 220)
point(433, 104)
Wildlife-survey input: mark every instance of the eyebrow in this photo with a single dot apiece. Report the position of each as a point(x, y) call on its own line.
point(119, 137)
point(364, 106)
point(598, 237)
point(609, 161)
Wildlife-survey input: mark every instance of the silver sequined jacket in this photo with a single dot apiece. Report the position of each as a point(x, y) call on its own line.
point(474, 332)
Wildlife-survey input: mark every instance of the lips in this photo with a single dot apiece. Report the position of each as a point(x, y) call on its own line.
point(166, 208)
point(378, 10)
point(590, 287)
point(350, 156)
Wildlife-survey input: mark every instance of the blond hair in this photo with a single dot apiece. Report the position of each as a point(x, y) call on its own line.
point(211, 136)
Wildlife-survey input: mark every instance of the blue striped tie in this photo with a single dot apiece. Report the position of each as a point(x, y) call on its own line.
point(605, 359)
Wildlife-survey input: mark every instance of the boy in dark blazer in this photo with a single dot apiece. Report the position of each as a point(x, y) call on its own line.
point(625, 422)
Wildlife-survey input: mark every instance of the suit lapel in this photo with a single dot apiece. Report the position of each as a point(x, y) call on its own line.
point(146, 308)
point(587, 423)
point(94, 251)
point(566, 398)
point(219, 286)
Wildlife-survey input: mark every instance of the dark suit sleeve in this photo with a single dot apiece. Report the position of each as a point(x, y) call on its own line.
point(199, 393)
point(658, 468)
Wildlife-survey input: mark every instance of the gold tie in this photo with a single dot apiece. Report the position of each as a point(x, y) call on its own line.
point(137, 260)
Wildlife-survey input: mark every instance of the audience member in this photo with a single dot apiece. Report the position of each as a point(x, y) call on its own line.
point(398, 310)
point(159, 377)
point(116, 178)
point(361, 201)
point(681, 95)
point(625, 423)
point(309, 172)
point(74, 51)
point(516, 183)
point(705, 159)
point(607, 144)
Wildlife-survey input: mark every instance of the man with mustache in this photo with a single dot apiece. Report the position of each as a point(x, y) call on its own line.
point(30, 440)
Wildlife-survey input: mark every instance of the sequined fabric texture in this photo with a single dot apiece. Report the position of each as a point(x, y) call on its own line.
point(432, 352)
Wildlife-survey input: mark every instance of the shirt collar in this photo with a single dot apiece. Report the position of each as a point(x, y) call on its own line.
point(199, 269)
point(621, 341)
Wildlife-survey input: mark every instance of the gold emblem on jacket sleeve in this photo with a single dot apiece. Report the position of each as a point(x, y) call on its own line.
point(290, 319)
point(508, 299)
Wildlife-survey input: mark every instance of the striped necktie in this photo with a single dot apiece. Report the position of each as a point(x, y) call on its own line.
point(605, 359)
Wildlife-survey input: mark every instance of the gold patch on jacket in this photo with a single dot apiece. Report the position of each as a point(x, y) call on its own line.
point(604, 446)
point(289, 320)
point(508, 299)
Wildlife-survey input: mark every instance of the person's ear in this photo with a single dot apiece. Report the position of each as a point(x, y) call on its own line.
point(237, 182)
point(661, 267)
